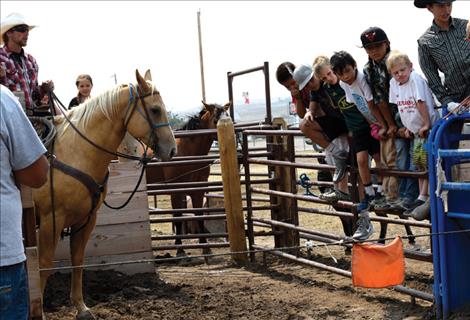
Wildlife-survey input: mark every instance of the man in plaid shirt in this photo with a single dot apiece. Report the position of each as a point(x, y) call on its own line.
point(18, 69)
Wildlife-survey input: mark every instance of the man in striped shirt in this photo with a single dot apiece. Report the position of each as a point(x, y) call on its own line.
point(443, 47)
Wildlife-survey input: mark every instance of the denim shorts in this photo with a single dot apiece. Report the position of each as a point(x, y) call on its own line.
point(14, 295)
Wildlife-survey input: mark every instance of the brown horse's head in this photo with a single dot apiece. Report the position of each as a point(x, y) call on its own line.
point(211, 113)
point(148, 119)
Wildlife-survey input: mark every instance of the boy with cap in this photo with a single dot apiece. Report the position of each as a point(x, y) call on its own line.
point(394, 152)
point(443, 47)
point(329, 118)
point(301, 100)
point(18, 69)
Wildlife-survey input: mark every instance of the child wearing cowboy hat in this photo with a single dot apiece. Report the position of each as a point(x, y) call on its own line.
point(18, 69)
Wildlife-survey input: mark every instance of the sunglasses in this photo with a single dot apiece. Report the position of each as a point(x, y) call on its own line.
point(20, 28)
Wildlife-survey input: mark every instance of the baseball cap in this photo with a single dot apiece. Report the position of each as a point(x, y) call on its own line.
point(373, 35)
point(302, 75)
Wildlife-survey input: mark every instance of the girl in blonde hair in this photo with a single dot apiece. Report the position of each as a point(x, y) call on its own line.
point(84, 85)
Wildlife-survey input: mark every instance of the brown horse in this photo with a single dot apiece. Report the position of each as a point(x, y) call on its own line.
point(190, 146)
point(137, 109)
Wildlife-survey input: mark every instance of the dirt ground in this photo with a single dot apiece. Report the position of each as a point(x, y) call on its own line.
point(279, 289)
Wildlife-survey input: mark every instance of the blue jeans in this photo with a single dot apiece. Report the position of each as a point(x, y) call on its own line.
point(408, 187)
point(14, 295)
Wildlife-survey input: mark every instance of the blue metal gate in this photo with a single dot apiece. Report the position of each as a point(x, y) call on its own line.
point(450, 211)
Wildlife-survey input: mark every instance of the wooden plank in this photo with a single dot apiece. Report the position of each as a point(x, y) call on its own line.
point(111, 240)
point(126, 268)
point(29, 227)
point(34, 281)
point(26, 196)
point(136, 210)
point(123, 177)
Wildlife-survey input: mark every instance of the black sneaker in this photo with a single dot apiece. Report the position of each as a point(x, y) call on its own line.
point(415, 204)
point(422, 212)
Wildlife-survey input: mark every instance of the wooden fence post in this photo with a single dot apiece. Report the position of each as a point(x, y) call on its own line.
point(287, 210)
point(31, 251)
point(232, 188)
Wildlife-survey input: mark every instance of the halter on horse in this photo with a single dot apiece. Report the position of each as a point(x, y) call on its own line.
point(86, 142)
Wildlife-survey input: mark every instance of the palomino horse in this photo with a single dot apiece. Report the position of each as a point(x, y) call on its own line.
point(190, 146)
point(103, 120)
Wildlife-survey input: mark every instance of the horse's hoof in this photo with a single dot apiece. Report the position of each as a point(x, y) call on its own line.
point(206, 251)
point(85, 315)
point(181, 253)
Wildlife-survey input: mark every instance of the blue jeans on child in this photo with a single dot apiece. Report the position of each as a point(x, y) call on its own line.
point(14, 295)
point(408, 187)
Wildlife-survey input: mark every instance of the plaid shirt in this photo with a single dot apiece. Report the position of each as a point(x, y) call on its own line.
point(446, 51)
point(378, 79)
point(20, 76)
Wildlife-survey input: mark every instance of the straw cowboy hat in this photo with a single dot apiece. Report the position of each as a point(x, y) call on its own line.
point(423, 3)
point(12, 20)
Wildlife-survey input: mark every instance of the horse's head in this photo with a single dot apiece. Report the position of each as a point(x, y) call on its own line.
point(147, 119)
point(210, 114)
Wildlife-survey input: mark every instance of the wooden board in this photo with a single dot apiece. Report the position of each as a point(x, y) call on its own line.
point(133, 212)
point(34, 281)
point(123, 177)
point(111, 240)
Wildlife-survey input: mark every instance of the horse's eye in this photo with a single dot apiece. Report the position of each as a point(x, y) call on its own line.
point(155, 111)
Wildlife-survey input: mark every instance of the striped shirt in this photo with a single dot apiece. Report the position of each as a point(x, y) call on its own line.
point(20, 73)
point(446, 51)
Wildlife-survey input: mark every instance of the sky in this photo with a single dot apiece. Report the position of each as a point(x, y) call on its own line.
point(103, 38)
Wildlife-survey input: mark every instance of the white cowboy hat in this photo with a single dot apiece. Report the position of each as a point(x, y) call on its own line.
point(12, 20)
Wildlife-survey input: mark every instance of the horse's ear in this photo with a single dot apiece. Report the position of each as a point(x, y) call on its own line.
point(227, 105)
point(208, 107)
point(141, 81)
point(148, 75)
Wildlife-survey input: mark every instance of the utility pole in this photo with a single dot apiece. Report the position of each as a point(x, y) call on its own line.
point(201, 60)
point(115, 78)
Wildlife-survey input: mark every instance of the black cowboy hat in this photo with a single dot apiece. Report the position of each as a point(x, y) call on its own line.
point(424, 3)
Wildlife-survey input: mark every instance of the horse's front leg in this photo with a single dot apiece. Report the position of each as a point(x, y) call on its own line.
point(47, 245)
point(198, 200)
point(78, 241)
point(178, 201)
point(383, 227)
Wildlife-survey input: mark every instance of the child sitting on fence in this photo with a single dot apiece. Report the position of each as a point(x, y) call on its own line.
point(411, 93)
point(366, 140)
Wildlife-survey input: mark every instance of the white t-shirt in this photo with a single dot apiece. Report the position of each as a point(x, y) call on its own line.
point(20, 147)
point(406, 96)
point(359, 93)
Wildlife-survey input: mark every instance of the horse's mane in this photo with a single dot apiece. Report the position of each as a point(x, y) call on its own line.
point(105, 103)
point(193, 122)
